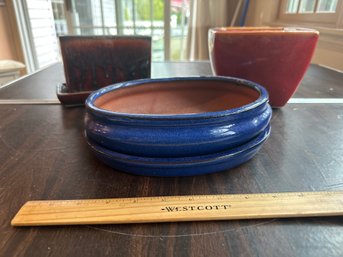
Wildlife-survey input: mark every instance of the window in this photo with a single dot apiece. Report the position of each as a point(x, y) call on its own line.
point(40, 22)
point(165, 21)
point(311, 6)
point(327, 13)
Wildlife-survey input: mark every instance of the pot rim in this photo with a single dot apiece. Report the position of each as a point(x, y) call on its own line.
point(263, 30)
point(261, 100)
point(104, 37)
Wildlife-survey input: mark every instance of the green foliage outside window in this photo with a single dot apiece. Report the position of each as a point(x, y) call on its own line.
point(143, 10)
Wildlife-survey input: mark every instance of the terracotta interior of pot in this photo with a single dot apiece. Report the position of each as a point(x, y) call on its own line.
point(177, 97)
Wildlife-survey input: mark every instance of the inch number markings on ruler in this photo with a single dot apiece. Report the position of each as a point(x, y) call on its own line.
point(180, 208)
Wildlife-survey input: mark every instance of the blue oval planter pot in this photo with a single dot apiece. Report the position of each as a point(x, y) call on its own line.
point(177, 117)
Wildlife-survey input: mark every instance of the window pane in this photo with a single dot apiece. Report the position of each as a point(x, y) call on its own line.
point(157, 24)
point(179, 24)
point(87, 17)
point(327, 6)
point(109, 17)
point(292, 6)
point(307, 6)
point(149, 16)
point(59, 17)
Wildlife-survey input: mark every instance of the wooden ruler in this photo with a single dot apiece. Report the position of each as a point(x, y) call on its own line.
point(180, 208)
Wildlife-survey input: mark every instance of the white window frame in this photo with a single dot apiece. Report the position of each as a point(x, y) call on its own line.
point(30, 50)
point(321, 19)
point(25, 34)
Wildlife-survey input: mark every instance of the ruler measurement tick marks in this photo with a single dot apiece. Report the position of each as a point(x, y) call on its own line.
point(180, 208)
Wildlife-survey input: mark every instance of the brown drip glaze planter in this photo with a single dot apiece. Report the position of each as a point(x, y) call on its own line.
point(177, 117)
point(93, 62)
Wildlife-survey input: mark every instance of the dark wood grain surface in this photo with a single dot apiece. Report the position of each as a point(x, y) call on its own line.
point(43, 155)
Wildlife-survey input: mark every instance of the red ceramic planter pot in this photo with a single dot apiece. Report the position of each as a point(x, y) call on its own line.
point(276, 58)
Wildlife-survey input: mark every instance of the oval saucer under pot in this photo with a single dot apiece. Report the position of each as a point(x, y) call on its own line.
point(181, 166)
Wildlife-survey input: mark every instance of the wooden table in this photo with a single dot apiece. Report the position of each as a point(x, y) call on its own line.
point(43, 155)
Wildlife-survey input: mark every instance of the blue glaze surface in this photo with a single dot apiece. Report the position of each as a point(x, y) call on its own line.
point(182, 166)
point(177, 135)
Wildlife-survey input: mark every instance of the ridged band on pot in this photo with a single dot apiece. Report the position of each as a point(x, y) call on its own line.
point(181, 166)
